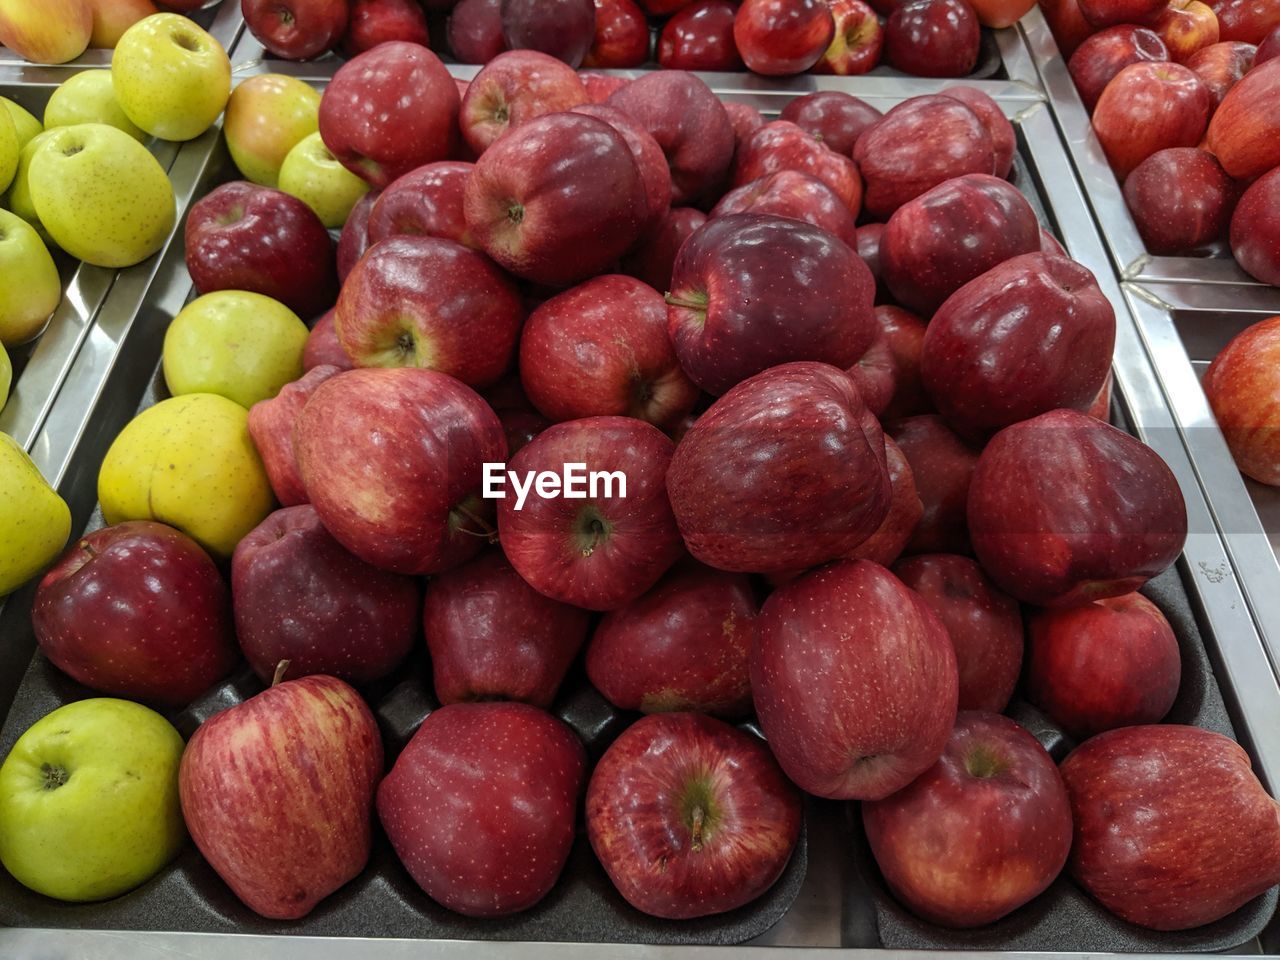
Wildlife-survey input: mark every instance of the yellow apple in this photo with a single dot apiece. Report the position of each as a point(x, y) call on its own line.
point(266, 117)
point(111, 18)
point(101, 195)
point(46, 31)
point(10, 149)
point(30, 287)
point(188, 462)
point(89, 803)
point(34, 521)
point(19, 198)
point(88, 97)
point(313, 175)
point(6, 376)
point(27, 126)
point(171, 77)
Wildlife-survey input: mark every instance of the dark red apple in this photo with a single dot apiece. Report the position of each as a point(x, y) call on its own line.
point(784, 471)
point(700, 37)
point(512, 89)
point(1106, 53)
point(854, 681)
point(681, 646)
point(782, 37)
point(857, 43)
point(750, 292)
point(372, 22)
point(664, 8)
point(918, 144)
point(601, 86)
point(296, 29)
point(426, 202)
point(1245, 131)
point(1255, 229)
point(942, 464)
point(983, 622)
point(745, 119)
point(933, 38)
point(868, 246)
point(654, 257)
point(137, 610)
point(781, 145)
point(875, 374)
point(993, 119)
point(1248, 21)
point(480, 806)
point(904, 333)
point(831, 116)
point(603, 536)
point(1269, 47)
point(392, 461)
point(1180, 200)
point(690, 816)
point(354, 239)
point(1056, 537)
point(1148, 107)
point(1050, 245)
point(981, 832)
point(1186, 26)
point(621, 38)
point(564, 29)
point(492, 636)
point(651, 162)
point(602, 349)
point(886, 544)
point(246, 237)
point(937, 242)
point(1031, 335)
point(1221, 66)
point(271, 425)
point(795, 196)
point(390, 110)
point(1067, 23)
point(323, 347)
point(1160, 812)
point(1239, 386)
point(300, 596)
point(475, 31)
point(1106, 13)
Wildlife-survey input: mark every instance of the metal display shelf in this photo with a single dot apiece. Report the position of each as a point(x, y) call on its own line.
point(110, 372)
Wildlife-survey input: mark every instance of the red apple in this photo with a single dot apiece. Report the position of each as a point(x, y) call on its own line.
point(1186, 26)
point(831, 116)
point(621, 38)
point(557, 200)
point(246, 237)
point(868, 246)
point(602, 349)
point(690, 124)
point(663, 8)
point(933, 38)
point(1255, 229)
point(875, 373)
point(857, 43)
point(1110, 663)
point(691, 817)
point(1248, 21)
point(296, 29)
point(1003, 139)
point(700, 37)
point(480, 805)
point(795, 196)
point(653, 258)
point(1239, 386)
point(942, 465)
point(271, 425)
point(1106, 13)
point(612, 544)
point(492, 636)
point(259, 779)
point(781, 145)
point(784, 471)
point(1269, 47)
point(681, 646)
point(1221, 65)
point(564, 29)
point(1067, 23)
point(512, 89)
point(354, 239)
point(1000, 13)
point(749, 292)
point(782, 37)
point(372, 22)
point(904, 333)
point(431, 303)
point(137, 610)
point(1160, 813)
point(1148, 107)
point(1106, 53)
point(854, 681)
point(1101, 409)
point(1050, 245)
point(920, 143)
point(745, 119)
point(981, 832)
point(323, 347)
point(886, 544)
point(1053, 537)
point(300, 596)
point(392, 461)
point(475, 31)
point(1245, 131)
point(937, 242)
point(390, 110)
point(1180, 199)
point(651, 162)
point(426, 202)
point(601, 86)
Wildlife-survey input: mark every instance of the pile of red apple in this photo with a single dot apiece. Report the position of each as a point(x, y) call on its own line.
point(930, 38)
point(1185, 100)
point(833, 513)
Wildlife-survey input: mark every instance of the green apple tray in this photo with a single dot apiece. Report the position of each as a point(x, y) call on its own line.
point(831, 894)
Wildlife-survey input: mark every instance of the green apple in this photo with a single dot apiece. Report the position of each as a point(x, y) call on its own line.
point(34, 520)
point(101, 195)
point(6, 376)
point(170, 76)
point(26, 124)
point(10, 149)
point(239, 345)
point(88, 97)
point(30, 287)
point(19, 196)
point(313, 175)
point(266, 117)
point(89, 803)
point(189, 462)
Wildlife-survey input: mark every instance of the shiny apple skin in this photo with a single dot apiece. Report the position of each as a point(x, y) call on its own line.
point(310, 28)
point(904, 333)
point(1248, 21)
point(1187, 793)
point(1031, 335)
point(1055, 537)
point(564, 29)
point(513, 88)
point(1255, 229)
point(691, 817)
point(933, 38)
point(1239, 386)
point(835, 118)
point(857, 44)
point(1003, 139)
point(651, 162)
point(781, 145)
point(137, 610)
point(475, 31)
point(1186, 27)
point(942, 464)
point(622, 36)
point(854, 681)
point(1245, 131)
point(700, 37)
point(271, 425)
point(875, 373)
point(983, 622)
point(1181, 200)
point(1067, 23)
point(372, 22)
point(779, 38)
point(1106, 53)
point(1148, 107)
point(1107, 13)
point(354, 238)
point(981, 832)
point(426, 202)
point(1221, 66)
point(794, 196)
point(1269, 47)
point(480, 806)
point(654, 257)
point(886, 544)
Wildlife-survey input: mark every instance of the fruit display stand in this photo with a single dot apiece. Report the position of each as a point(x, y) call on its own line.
point(831, 896)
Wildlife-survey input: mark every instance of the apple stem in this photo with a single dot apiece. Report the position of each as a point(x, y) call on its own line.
point(698, 817)
point(597, 531)
point(676, 301)
point(281, 668)
point(486, 531)
point(87, 547)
